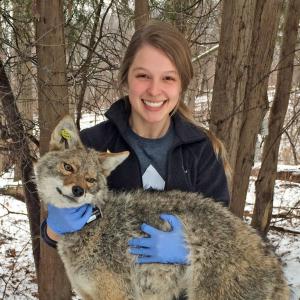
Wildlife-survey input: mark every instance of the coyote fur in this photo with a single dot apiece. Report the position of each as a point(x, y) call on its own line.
point(228, 260)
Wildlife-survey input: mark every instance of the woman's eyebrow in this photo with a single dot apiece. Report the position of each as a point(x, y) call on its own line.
point(171, 71)
point(143, 69)
point(139, 69)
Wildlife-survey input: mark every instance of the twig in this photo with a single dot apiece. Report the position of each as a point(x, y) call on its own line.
point(13, 269)
point(282, 229)
point(11, 212)
point(286, 215)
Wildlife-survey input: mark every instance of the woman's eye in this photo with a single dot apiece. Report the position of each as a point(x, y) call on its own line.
point(68, 167)
point(169, 78)
point(142, 76)
point(90, 180)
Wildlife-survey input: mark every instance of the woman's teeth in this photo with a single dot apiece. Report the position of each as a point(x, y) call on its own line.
point(154, 104)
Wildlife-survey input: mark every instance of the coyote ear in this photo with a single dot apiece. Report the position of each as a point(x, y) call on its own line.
point(65, 135)
point(109, 161)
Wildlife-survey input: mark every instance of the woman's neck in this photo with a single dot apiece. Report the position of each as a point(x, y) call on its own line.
point(150, 131)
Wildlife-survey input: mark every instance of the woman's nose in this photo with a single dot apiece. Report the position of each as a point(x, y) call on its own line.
point(154, 88)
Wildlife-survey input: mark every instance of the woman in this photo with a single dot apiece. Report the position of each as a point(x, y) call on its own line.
point(168, 149)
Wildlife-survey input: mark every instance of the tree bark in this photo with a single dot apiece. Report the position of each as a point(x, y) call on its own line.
point(21, 150)
point(180, 14)
point(141, 13)
point(265, 28)
point(53, 104)
point(231, 73)
point(22, 74)
point(240, 93)
point(267, 174)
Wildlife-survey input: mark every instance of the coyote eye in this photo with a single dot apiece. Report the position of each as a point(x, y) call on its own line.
point(90, 180)
point(68, 167)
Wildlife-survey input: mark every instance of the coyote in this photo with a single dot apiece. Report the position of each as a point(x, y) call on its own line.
point(228, 260)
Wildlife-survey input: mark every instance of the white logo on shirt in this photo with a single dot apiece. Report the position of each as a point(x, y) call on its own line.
point(152, 179)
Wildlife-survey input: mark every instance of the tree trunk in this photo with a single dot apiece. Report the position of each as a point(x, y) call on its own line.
point(23, 75)
point(53, 104)
point(21, 150)
point(243, 91)
point(231, 73)
point(141, 13)
point(266, 22)
point(266, 178)
point(180, 17)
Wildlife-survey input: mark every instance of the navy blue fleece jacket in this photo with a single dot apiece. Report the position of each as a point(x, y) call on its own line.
point(191, 165)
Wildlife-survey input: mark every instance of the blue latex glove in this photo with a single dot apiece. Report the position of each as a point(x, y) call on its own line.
point(166, 247)
point(64, 220)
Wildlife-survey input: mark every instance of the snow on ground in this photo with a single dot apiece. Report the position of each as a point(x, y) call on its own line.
point(287, 246)
point(17, 274)
point(281, 168)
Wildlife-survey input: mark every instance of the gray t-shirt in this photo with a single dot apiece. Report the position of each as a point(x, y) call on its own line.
point(152, 155)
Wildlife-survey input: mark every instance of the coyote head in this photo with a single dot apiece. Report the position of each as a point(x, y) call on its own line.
point(70, 175)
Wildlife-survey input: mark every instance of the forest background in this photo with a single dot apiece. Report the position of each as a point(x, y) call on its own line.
point(61, 57)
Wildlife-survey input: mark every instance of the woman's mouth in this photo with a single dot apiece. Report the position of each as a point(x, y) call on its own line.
point(154, 105)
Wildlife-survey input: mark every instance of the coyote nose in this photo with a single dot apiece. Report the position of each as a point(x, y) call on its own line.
point(77, 190)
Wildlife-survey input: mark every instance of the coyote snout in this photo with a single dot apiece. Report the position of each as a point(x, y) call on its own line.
point(228, 260)
point(77, 191)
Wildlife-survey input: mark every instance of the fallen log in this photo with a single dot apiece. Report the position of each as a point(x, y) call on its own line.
point(15, 191)
point(286, 230)
point(286, 175)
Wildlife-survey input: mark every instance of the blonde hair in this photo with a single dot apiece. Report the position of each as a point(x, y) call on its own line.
point(171, 41)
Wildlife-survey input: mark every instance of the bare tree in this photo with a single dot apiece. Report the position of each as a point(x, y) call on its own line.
point(14, 134)
point(266, 178)
point(53, 104)
point(240, 92)
point(141, 13)
point(93, 43)
point(231, 73)
point(20, 148)
point(266, 22)
point(22, 77)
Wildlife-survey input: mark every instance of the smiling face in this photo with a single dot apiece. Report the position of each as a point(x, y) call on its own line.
point(154, 89)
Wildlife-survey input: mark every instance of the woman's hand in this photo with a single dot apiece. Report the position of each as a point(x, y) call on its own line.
point(166, 247)
point(65, 220)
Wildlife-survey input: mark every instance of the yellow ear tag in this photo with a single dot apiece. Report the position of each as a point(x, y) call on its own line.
point(65, 134)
